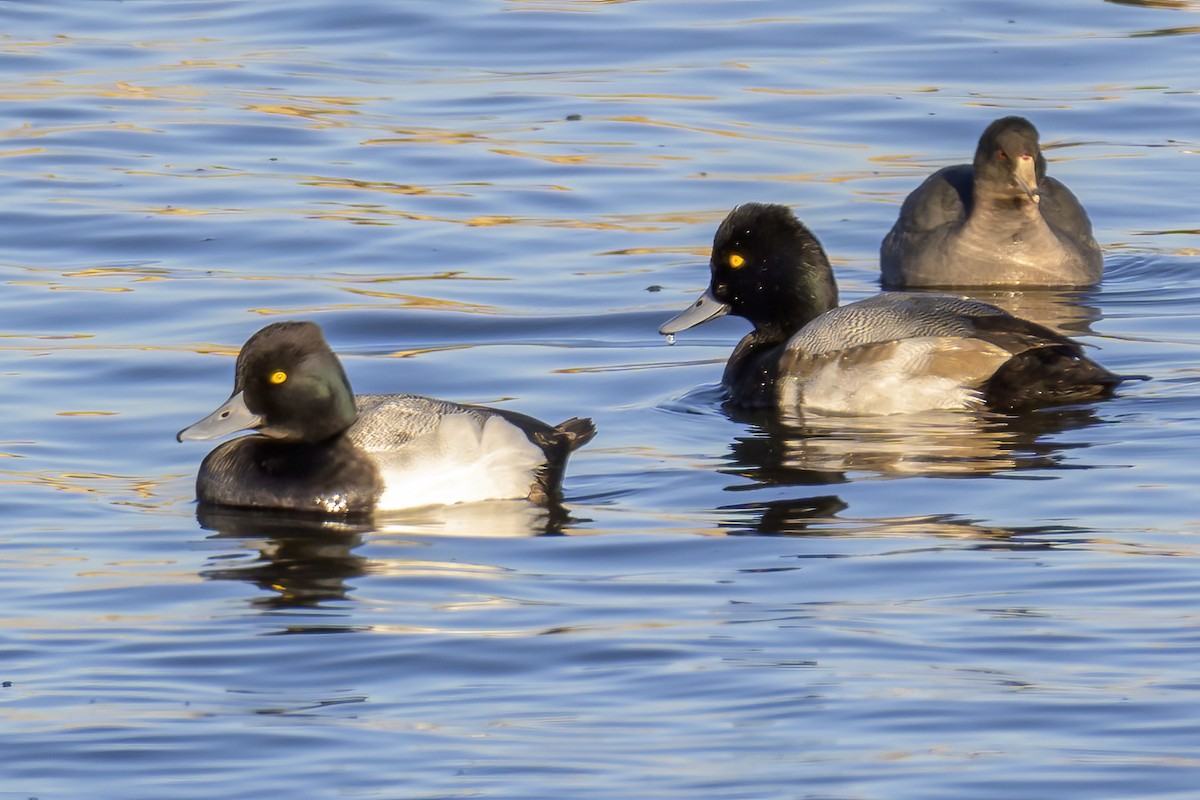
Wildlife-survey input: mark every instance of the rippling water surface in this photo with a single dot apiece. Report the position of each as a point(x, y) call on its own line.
point(499, 202)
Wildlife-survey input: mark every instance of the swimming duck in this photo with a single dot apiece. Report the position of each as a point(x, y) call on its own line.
point(1000, 221)
point(891, 353)
point(319, 448)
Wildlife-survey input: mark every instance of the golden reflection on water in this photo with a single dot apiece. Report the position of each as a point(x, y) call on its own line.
point(1186, 30)
point(375, 214)
point(737, 130)
point(421, 301)
point(151, 493)
point(59, 91)
point(592, 159)
point(641, 365)
point(116, 279)
point(28, 151)
point(582, 152)
point(54, 287)
point(421, 351)
point(431, 136)
point(138, 274)
point(404, 301)
point(200, 349)
point(313, 108)
point(800, 177)
point(312, 113)
point(385, 186)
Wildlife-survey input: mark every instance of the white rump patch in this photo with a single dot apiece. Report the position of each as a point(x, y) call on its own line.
point(463, 460)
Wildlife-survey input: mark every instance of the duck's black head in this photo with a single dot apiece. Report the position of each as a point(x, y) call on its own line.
point(1009, 164)
point(766, 267)
point(288, 385)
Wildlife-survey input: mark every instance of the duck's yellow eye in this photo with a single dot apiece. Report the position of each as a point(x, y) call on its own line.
point(735, 260)
point(278, 376)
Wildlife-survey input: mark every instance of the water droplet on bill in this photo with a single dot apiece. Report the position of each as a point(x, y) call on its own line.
point(670, 338)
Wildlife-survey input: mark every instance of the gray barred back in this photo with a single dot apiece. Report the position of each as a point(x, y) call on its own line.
point(888, 316)
point(389, 421)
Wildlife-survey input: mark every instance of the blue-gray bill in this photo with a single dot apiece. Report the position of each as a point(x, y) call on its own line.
point(705, 308)
point(231, 417)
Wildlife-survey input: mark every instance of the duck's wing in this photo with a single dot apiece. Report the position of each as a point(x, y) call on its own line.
point(1045, 368)
point(927, 215)
point(1062, 208)
point(390, 421)
point(1066, 216)
point(943, 198)
point(437, 443)
point(890, 316)
point(435, 452)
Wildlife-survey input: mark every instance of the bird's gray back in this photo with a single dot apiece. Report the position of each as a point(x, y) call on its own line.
point(890, 316)
point(388, 421)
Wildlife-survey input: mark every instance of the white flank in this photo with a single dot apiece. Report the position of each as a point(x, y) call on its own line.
point(462, 461)
point(920, 374)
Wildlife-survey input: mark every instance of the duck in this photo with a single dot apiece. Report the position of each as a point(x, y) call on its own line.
point(317, 447)
point(891, 353)
point(999, 221)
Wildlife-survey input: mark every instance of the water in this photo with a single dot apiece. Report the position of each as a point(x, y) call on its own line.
point(501, 202)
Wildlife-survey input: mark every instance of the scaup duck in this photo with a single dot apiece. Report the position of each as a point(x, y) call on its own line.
point(319, 448)
point(891, 353)
point(1000, 221)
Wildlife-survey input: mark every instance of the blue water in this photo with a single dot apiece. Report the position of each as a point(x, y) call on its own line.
point(500, 202)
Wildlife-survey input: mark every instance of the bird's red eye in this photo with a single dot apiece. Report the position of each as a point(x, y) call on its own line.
point(1000, 154)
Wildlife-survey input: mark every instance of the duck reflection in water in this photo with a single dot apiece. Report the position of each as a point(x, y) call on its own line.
point(821, 516)
point(302, 561)
point(783, 448)
point(799, 516)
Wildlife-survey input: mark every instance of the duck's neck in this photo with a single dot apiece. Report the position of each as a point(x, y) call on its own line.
point(751, 370)
point(753, 367)
point(1003, 211)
